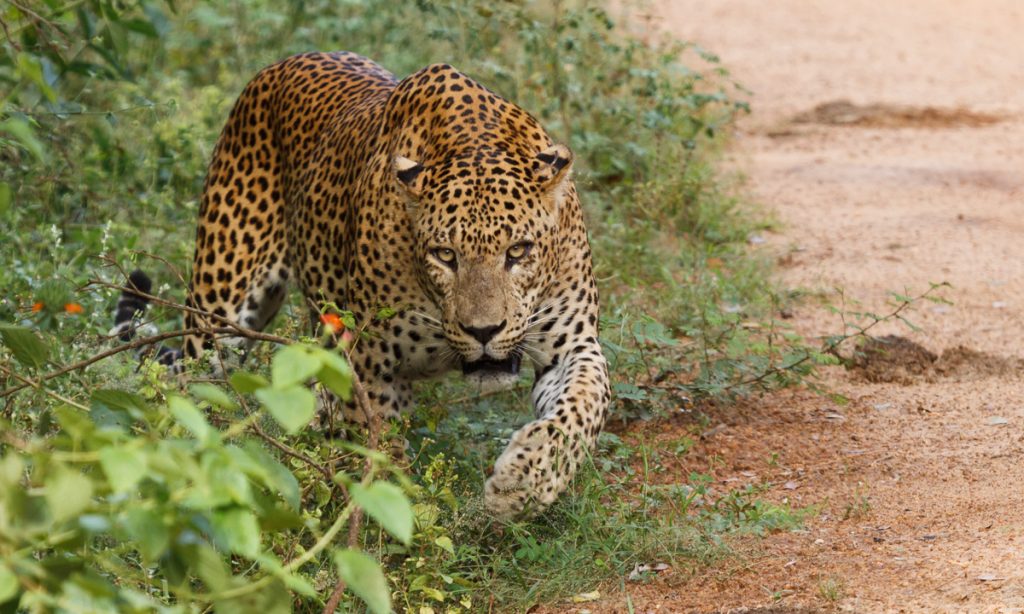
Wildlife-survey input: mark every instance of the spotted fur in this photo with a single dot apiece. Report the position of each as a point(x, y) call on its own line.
point(434, 196)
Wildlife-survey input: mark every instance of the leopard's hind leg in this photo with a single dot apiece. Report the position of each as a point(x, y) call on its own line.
point(240, 270)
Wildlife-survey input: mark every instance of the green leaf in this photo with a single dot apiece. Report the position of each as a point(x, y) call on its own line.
point(5, 197)
point(363, 576)
point(213, 395)
point(25, 135)
point(148, 532)
point(388, 505)
point(274, 475)
point(122, 400)
point(245, 383)
point(123, 466)
point(30, 69)
point(432, 592)
point(116, 42)
point(208, 565)
point(225, 479)
point(625, 390)
point(237, 530)
point(273, 598)
point(141, 26)
point(115, 408)
point(293, 407)
point(336, 373)
point(8, 584)
point(348, 319)
point(189, 416)
point(274, 517)
point(74, 422)
point(11, 470)
point(445, 543)
point(293, 581)
point(293, 365)
point(134, 601)
point(27, 348)
point(68, 494)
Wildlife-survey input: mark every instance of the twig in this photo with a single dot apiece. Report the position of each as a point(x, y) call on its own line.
point(144, 341)
point(26, 381)
point(348, 512)
point(29, 22)
point(141, 342)
point(69, 112)
point(112, 262)
point(7, 34)
point(288, 450)
point(39, 22)
point(373, 424)
point(289, 567)
point(832, 347)
point(241, 330)
point(167, 263)
point(228, 322)
point(332, 603)
point(34, 16)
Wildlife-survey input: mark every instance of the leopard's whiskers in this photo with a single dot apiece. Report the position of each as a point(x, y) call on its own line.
point(428, 322)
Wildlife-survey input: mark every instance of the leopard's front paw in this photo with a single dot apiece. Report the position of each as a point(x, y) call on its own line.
point(529, 474)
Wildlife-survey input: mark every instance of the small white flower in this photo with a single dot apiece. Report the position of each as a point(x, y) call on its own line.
point(106, 236)
point(55, 233)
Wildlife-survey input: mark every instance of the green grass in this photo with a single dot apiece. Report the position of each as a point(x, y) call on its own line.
point(109, 119)
point(831, 589)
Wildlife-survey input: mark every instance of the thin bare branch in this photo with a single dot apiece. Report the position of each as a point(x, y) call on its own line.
point(289, 451)
point(151, 340)
point(26, 381)
point(335, 599)
point(227, 322)
point(373, 425)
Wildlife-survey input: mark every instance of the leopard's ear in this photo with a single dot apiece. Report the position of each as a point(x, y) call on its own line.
point(552, 166)
point(408, 174)
point(551, 169)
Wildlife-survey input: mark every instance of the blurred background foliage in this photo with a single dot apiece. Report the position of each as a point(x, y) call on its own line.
point(111, 108)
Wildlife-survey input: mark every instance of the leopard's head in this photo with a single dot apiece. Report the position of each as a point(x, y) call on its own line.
point(487, 239)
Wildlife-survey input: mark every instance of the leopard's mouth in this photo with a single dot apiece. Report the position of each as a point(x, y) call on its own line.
point(491, 366)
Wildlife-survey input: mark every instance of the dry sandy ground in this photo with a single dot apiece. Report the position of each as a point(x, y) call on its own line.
point(921, 481)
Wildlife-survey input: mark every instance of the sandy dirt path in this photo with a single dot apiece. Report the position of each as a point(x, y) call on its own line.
point(921, 480)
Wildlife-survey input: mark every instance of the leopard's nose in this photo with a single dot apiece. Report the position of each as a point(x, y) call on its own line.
point(483, 334)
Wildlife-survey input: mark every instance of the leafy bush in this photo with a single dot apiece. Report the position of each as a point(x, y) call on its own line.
point(122, 491)
point(131, 484)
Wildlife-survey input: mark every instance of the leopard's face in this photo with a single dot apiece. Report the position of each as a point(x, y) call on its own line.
point(486, 237)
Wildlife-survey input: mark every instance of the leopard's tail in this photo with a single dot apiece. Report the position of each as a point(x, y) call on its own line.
point(131, 306)
point(129, 313)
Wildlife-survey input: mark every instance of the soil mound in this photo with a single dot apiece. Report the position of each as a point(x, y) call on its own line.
point(846, 113)
point(895, 359)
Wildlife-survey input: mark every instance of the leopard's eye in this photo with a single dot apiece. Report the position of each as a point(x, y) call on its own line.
point(517, 252)
point(445, 255)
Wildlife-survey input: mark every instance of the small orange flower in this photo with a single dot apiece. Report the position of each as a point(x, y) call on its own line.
point(333, 322)
point(37, 307)
point(73, 308)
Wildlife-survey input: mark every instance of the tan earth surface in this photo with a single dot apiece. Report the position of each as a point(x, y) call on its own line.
point(888, 139)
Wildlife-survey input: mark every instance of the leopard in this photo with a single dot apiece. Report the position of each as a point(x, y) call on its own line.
point(430, 195)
